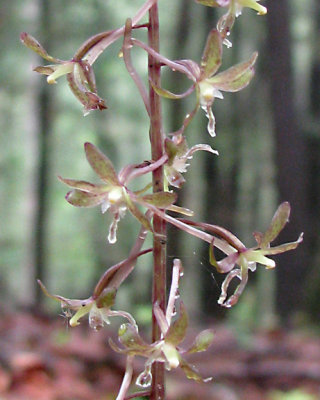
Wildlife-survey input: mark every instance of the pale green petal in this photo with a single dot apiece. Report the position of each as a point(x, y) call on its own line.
point(60, 70)
point(257, 256)
point(261, 10)
point(80, 313)
point(171, 355)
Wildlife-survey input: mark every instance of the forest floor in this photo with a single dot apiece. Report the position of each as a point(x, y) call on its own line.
point(43, 359)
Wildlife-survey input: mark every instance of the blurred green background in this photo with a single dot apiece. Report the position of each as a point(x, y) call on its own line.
point(267, 135)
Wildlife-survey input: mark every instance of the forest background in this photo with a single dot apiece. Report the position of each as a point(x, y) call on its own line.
point(268, 136)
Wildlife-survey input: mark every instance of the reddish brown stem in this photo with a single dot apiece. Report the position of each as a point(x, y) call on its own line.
point(159, 225)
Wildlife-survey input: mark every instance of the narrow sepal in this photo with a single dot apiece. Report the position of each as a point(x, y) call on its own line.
point(44, 70)
point(32, 44)
point(171, 149)
point(167, 94)
point(107, 298)
point(191, 372)
point(278, 222)
point(177, 331)
point(130, 338)
point(202, 342)
point(84, 185)
point(212, 257)
point(211, 58)
point(90, 100)
point(71, 303)
point(79, 198)
point(138, 214)
point(101, 164)
point(236, 77)
point(282, 248)
point(160, 199)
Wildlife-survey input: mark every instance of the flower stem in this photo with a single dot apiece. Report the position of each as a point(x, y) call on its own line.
point(159, 225)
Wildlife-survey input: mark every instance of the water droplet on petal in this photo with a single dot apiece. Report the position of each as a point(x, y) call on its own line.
point(112, 237)
point(212, 122)
point(144, 379)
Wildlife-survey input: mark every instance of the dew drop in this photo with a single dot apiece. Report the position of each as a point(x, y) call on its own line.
point(174, 311)
point(144, 379)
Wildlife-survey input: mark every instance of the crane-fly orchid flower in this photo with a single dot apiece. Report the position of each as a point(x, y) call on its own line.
point(235, 7)
point(179, 156)
point(209, 84)
point(167, 349)
point(79, 74)
point(113, 195)
point(241, 259)
point(98, 306)
point(245, 259)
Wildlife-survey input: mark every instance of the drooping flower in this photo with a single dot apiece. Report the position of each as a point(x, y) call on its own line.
point(179, 156)
point(235, 7)
point(167, 349)
point(242, 259)
point(207, 83)
point(113, 195)
point(79, 74)
point(98, 306)
point(98, 310)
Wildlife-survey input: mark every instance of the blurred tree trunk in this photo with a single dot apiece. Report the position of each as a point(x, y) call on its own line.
point(312, 286)
point(290, 157)
point(44, 116)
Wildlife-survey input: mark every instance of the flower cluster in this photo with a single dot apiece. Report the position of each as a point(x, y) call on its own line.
point(166, 350)
point(172, 156)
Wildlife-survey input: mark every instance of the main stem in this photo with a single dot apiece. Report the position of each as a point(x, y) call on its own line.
point(159, 225)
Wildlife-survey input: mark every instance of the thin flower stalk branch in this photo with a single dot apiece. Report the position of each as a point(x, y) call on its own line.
point(130, 172)
point(218, 243)
point(128, 63)
point(126, 379)
point(98, 48)
point(162, 59)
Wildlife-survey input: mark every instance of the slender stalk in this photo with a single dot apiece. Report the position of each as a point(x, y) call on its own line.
point(159, 225)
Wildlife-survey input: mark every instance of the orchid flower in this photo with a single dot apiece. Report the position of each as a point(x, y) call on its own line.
point(113, 195)
point(79, 70)
point(242, 259)
point(167, 349)
point(178, 157)
point(79, 74)
point(235, 7)
point(206, 82)
point(98, 306)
